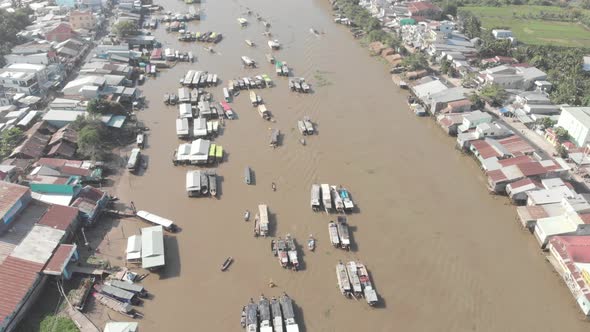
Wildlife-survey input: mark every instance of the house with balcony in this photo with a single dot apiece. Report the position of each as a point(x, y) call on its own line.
point(28, 79)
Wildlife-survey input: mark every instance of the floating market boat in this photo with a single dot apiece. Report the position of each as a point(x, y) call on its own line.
point(338, 203)
point(343, 233)
point(357, 289)
point(264, 314)
point(315, 197)
point(369, 291)
point(348, 203)
point(343, 282)
point(277, 315)
point(248, 175)
point(333, 232)
point(226, 263)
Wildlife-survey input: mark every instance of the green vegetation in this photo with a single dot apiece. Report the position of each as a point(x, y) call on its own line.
point(53, 323)
point(546, 123)
point(537, 25)
point(101, 106)
point(9, 139)
point(125, 28)
point(361, 18)
point(415, 61)
point(10, 25)
point(93, 137)
point(493, 94)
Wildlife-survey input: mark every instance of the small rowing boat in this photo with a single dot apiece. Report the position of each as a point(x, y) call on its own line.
point(311, 243)
point(246, 215)
point(227, 263)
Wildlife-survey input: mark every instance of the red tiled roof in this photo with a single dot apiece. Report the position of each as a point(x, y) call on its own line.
point(484, 149)
point(531, 168)
point(515, 160)
point(10, 193)
point(68, 170)
point(17, 276)
point(419, 6)
point(496, 175)
point(516, 145)
point(59, 217)
point(521, 183)
point(576, 248)
point(91, 193)
point(459, 103)
point(60, 259)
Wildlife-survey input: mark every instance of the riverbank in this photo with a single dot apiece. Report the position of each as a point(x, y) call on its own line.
point(427, 229)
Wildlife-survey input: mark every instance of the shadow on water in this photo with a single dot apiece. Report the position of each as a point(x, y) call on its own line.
point(220, 180)
point(143, 165)
point(172, 268)
point(381, 303)
point(299, 317)
point(272, 224)
point(354, 247)
point(300, 248)
point(252, 177)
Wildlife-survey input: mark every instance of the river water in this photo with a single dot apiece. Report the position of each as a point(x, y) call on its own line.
point(443, 254)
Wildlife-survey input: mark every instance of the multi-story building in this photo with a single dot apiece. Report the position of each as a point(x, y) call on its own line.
point(26, 78)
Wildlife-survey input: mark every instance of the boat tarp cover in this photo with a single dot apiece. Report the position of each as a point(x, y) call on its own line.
point(219, 152)
point(154, 218)
point(315, 194)
point(263, 214)
point(251, 314)
point(135, 288)
point(287, 306)
point(121, 327)
point(152, 247)
point(117, 293)
point(264, 310)
point(193, 180)
point(185, 110)
point(212, 150)
point(182, 127)
point(200, 127)
point(133, 247)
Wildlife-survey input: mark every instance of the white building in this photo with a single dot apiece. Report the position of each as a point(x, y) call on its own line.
point(576, 120)
point(502, 34)
point(30, 79)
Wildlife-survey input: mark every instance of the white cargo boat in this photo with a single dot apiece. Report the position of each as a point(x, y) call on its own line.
point(351, 268)
point(333, 232)
point(263, 219)
point(338, 203)
point(326, 197)
point(343, 282)
point(157, 220)
point(315, 197)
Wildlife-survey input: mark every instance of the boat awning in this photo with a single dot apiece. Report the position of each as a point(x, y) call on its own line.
point(133, 247)
point(193, 180)
point(152, 244)
point(121, 327)
point(154, 218)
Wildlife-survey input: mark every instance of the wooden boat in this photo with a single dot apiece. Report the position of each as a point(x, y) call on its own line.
point(264, 314)
point(302, 141)
point(315, 197)
point(249, 42)
point(248, 62)
point(333, 232)
point(368, 290)
point(338, 203)
point(274, 44)
point(166, 99)
point(243, 318)
point(117, 306)
point(348, 203)
point(343, 233)
point(277, 315)
point(130, 287)
point(242, 21)
point(157, 220)
point(251, 317)
point(292, 252)
point(288, 313)
point(213, 184)
point(354, 279)
point(263, 223)
point(343, 282)
point(226, 264)
point(326, 197)
point(248, 175)
point(253, 98)
point(280, 248)
point(247, 215)
point(309, 130)
point(140, 140)
point(311, 243)
point(117, 294)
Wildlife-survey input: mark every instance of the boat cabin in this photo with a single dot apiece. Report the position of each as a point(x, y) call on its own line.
point(134, 159)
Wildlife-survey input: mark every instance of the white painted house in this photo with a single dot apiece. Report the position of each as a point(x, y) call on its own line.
point(576, 120)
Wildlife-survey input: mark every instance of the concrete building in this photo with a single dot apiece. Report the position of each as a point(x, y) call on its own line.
point(502, 34)
point(512, 77)
point(82, 19)
point(570, 256)
point(576, 120)
point(30, 79)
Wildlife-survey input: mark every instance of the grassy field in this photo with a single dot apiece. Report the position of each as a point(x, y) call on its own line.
point(534, 31)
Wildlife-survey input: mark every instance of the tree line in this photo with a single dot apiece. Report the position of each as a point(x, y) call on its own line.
point(10, 25)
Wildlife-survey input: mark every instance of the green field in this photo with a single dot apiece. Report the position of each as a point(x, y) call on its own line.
point(534, 31)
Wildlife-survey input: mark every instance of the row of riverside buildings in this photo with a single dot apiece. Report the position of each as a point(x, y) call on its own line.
point(549, 203)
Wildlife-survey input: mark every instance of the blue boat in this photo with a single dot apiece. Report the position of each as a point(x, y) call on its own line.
point(348, 204)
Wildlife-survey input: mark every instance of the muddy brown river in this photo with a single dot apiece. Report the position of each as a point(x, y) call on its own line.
point(443, 254)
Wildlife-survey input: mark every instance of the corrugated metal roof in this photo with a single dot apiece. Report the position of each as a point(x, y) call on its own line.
point(484, 149)
point(516, 145)
point(10, 193)
point(60, 259)
point(17, 276)
point(531, 168)
point(59, 217)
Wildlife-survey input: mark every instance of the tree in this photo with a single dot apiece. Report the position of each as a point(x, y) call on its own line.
point(546, 122)
point(493, 94)
point(53, 323)
point(102, 106)
point(10, 25)
point(415, 61)
point(451, 9)
point(476, 102)
point(471, 24)
point(561, 134)
point(445, 66)
point(9, 139)
point(125, 28)
point(89, 143)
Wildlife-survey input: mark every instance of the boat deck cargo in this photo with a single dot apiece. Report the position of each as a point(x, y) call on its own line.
point(277, 315)
point(193, 183)
point(338, 203)
point(182, 126)
point(343, 233)
point(343, 282)
point(315, 197)
point(157, 220)
point(134, 159)
point(263, 219)
point(369, 291)
point(326, 197)
point(288, 313)
point(354, 278)
point(274, 137)
point(333, 232)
